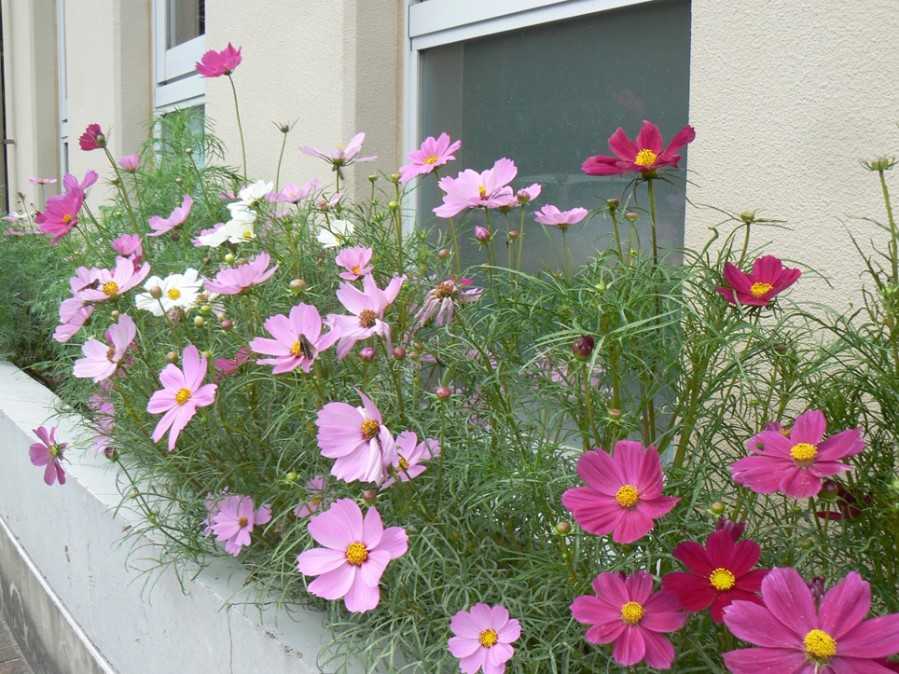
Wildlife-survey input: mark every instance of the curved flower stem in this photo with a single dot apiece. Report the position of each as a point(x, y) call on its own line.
point(894, 238)
point(454, 238)
point(243, 145)
point(120, 184)
point(280, 160)
point(613, 214)
point(745, 246)
point(398, 224)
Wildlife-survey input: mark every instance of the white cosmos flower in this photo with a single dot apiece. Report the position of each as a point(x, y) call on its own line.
point(335, 233)
point(178, 291)
point(254, 193)
point(239, 229)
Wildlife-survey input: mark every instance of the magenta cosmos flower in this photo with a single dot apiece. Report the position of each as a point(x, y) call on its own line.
point(110, 283)
point(552, 217)
point(101, 360)
point(161, 225)
point(182, 393)
point(367, 307)
point(296, 340)
point(129, 245)
point(60, 214)
point(483, 638)
point(441, 302)
point(233, 521)
point(793, 635)
point(233, 281)
point(93, 138)
point(130, 162)
point(470, 189)
point(432, 152)
point(407, 456)
point(627, 613)
point(623, 494)
point(717, 574)
point(356, 261)
point(767, 279)
point(225, 367)
point(340, 156)
point(643, 155)
point(355, 554)
point(315, 496)
point(217, 63)
point(797, 465)
point(49, 453)
point(356, 437)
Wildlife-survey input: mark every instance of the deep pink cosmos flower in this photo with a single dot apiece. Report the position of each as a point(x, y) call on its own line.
point(470, 189)
point(101, 360)
point(234, 519)
point(225, 367)
point(182, 393)
point(623, 494)
point(217, 63)
point(48, 452)
point(71, 183)
point(717, 574)
point(796, 465)
point(161, 225)
point(60, 214)
point(367, 307)
point(355, 554)
point(794, 635)
point(643, 155)
point(130, 162)
point(483, 638)
point(111, 283)
point(93, 138)
point(340, 156)
point(292, 193)
point(296, 340)
point(482, 234)
point(552, 217)
point(756, 443)
point(356, 261)
point(315, 496)
point(625, 612)
point(233, 281)
point(356, 437)
point(432, 152)
point(441, 302)
point(767, 279)
point(407, 456)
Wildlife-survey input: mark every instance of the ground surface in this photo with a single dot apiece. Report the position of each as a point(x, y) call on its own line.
point(11, 659)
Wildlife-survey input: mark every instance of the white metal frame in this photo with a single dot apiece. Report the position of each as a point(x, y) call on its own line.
point(177, 83)
point(62, 87)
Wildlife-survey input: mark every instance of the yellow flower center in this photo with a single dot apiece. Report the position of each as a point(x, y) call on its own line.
point(760, 289)
point(54, 450)
point(482, 191)
point(646, 158)
point(488, 638)
point(627, 496)
point(431, 159)
point(356, 554)
point(632, 613)
point(403, 463)
point(182, 396)
point(722, 579)
point(803, 453)
point(110, 288)
point(67, 218)
point(173, 293)
point(242, 522)
point(356, 269)
point(820, 646)
point(367, 318)
point(370, 428)
point(247, 234)
point(445, 289)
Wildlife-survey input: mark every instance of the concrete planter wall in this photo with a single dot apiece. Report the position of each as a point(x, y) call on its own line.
point(73, 595)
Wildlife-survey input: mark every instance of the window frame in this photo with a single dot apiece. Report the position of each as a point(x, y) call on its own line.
point(62, 89)
point(177, 84)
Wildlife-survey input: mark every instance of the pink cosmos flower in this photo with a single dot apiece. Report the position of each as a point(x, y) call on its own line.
point(623, 494)
point(340, 156)
point(104, 421)
point(50, 453)
point(92, 138)
point(356, 261)
point(161, 225)
point(717, 574)
point(292, 193)
point(441, 302)
point(482, 234)
point(296, 340)
point(627, 613)
point(130, 162)
point(355, 554)
point(233, 281)
point(60, 214)
point(234, 519)
point(73, 314)
point(796, 465)
point(115, 282)
point(182, 393)
point(794, 635)
point(367, 307)
point(483, 638)
point(71, 183)
point(407, 457)
point(432, 152)
point(643, 155)
point(36, 180)
point(758, 288)
point(129, 245)
point(315, 494)
point(470, 189)
point(551, 216)
point(217, 63)
point(527, 194)
point(225, 367)
point(101, 361)
point(356, 437)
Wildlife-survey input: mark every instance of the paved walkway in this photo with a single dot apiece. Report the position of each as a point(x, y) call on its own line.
point(11, 660)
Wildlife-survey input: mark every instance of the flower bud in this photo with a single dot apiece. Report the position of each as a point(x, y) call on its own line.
point(563, 527)
point(297, 285)
point(229, 258)
point(482, 234)
point(881, 164)
point(631, 216)
point(514, 234)
point(393, 205)
point(369, 496)
point(395, 178)
point(373, 178)
point(199, 321)
point(443, 392)
point(614, 412)
point(717, 508)
point(748, 217)
point(155, 292)
point(830, 490)
point(292, 477)
point(114, 314)
point(111, 454)
point(612, 205)
point(367, 354)
point(227, 324)
point(399, 352)
point(172, 356)
point(583, 346)
point(205, 309)
point(443, 253)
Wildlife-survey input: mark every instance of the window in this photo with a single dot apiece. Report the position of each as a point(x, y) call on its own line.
point(179, 43)
point(62, 79)
point(546, 82)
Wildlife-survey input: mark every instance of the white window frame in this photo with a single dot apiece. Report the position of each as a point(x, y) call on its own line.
point(177, 83)
point(62, 90)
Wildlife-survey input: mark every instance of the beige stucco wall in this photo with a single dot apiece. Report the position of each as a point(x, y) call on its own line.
point(787, 96)
point(332, 66)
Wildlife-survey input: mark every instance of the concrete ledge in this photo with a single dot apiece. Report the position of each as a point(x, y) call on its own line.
point(73, 596)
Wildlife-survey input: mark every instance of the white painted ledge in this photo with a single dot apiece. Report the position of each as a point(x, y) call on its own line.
point(70, 541)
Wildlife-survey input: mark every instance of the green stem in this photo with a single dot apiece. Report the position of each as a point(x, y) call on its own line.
point(894, 243)
point(745, 246)
point(243, 145)
point(568, 262)
point(120, 185)
point(280, 159)
point(651, 193)
point(613, 214)
point(398, 223)
point(520, 248)
point(454, 238)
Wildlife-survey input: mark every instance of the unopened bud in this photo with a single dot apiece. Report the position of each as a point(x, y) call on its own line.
point(631, 216)
point(395, 178)
point(229, 258)
point(482, 234)
point(443, 253)
point(748, 217)
point(583, 346)
point(718, 508)
point(114, 314)
point(612, 204)
point(297, 285)
point(614, 412)
point(367, 354)
point(372, 178)
point(172, 357)
point(292, 476)
point(199, 321)
point(563, 527)
point(399, 352)
point(206, 354)
point(155, 292)
point(514, 234)
point(111, 454)
point(369, 496)
point(227, 324)
point(392, 205)
point(443, 392)
point(205, 309)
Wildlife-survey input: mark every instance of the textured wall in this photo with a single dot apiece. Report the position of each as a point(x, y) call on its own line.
point(787, 96)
